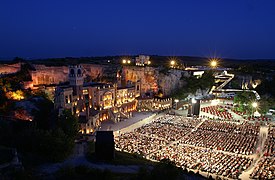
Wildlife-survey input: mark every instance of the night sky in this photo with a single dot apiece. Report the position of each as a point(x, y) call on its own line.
point(207, 28)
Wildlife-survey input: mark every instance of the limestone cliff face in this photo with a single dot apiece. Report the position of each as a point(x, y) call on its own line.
point(49, 75)
point(93, 70)
point(170, 81)
point(152, 79)
point(148, 77)
point(9, 68)
point(56, 74)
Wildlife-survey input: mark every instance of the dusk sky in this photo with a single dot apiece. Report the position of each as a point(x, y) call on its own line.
point(55, 28)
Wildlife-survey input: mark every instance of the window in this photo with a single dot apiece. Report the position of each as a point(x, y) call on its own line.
point(72, 71)
point(66, 99)
point(79, 71)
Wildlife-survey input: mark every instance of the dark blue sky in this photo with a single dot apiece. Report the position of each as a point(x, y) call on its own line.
point(56, 28)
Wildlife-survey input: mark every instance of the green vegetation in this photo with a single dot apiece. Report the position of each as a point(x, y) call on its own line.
point(267, 91)
point(49, 144)
point(244, 101)
point(193, 84)
point(265, 104)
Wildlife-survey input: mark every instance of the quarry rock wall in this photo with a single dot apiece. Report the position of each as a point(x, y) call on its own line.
point(9, 68)
point(150, 77)
point(152, 80)
point(170, 82)
point(56, 74)
point(49, 75)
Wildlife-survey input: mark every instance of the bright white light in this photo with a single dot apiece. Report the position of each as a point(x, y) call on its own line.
point(176, 100)
point(254, 104)
point(173, 62)
point(213, 63)
point(194, 101)
point(128, 61)
point(124, 61)
point(215, 102)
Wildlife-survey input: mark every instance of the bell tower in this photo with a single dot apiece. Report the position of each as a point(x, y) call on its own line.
point(76, 79)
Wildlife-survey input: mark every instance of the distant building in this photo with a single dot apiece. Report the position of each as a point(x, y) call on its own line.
point(143, 60)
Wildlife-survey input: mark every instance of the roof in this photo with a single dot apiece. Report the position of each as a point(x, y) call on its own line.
point(97, 84)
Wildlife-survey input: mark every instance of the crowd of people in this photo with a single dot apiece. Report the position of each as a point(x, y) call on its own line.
point(154, 136)
point(215, 146)
point(270, 143)
point(230, 142)
point(245, 128)
point(205, 160)
point(258, 119)
point(240, 138)
point(249, 117)
point(218, 111)
point(265, 169)
point(134, 142)
point(164, 131)
point(179, 120)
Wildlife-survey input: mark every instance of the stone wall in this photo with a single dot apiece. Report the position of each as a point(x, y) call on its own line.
point(9, 68)
point(56, 74)
point(168, 83)
point(49, 75)
point(148, 77)
point(152, 80)
point(93, 70)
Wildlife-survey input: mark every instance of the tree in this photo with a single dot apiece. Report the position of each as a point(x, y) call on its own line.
point(244, 100)
point(68, 123)
point(44, 114)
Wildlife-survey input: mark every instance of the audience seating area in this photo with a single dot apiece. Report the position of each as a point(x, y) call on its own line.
point(218, 147)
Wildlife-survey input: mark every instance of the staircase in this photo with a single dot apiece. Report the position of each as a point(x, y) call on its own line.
point(112, 115)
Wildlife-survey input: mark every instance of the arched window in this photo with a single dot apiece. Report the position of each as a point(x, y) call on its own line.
point(79, 71)
point(72, 71)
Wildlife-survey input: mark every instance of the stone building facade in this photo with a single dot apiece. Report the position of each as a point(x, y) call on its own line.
point(95, 102)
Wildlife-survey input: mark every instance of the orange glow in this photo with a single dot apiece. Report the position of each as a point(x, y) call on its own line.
point(173, 62)
point(17, 95)
point(214, 62)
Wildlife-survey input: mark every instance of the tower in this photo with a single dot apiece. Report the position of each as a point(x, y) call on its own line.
point(76, 79)
point(137, 88)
